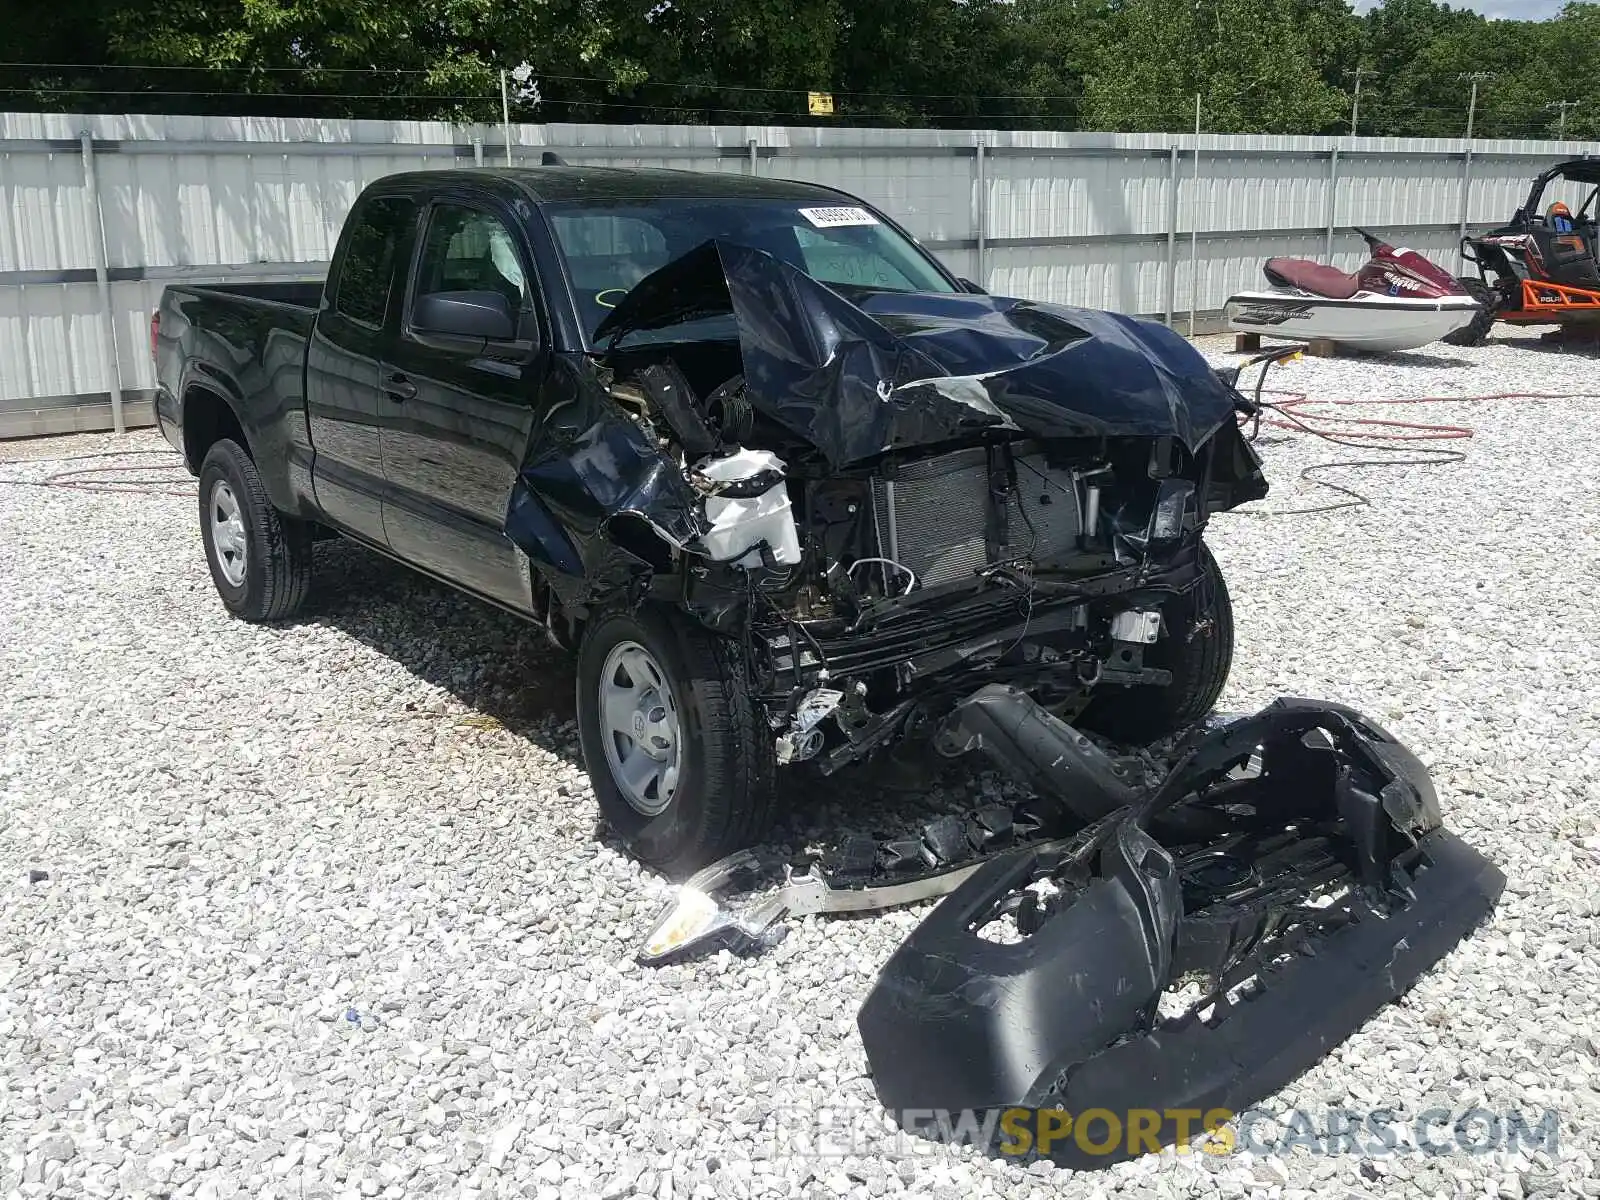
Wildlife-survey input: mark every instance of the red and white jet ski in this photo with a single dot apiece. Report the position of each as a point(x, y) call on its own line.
point(1397, 301)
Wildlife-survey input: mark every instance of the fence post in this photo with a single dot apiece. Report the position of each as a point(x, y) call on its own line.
point(1466, 196)
point(981, 158)
point(102, 280)
point(1172, 236)
point(1333, 197)
point(477, 150)
point(755, 161)
point(1194, 231)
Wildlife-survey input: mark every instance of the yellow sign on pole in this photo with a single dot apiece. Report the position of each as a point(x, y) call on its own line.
point(820, 103)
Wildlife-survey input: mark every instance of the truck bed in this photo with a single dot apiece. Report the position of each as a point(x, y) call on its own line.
point(244, 346)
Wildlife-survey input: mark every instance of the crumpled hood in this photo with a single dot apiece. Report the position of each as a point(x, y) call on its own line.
point(903, 369)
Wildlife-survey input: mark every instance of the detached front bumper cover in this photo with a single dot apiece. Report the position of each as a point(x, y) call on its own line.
point(1153, 951)
point(1194, 949)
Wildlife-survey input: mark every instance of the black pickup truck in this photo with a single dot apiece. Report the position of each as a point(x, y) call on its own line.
point(788, 487)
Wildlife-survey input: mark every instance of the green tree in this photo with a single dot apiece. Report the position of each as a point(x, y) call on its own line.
point(1252, 62)
point(1418, 51)
point(1050, 47)
point(1276, 66)
point(1569, 62)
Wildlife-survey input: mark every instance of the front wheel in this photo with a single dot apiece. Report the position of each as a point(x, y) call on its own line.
point(1475, 333)
point(1197, 648)
point(681, 763)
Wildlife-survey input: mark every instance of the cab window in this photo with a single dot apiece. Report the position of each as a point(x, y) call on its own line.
point(377, 230)
point(468, 250)
point(833, 258)
point(607, 253)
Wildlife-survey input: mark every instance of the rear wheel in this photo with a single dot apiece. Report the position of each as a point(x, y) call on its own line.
point(681, 763)
point(260, 559)
point(1197, 648)
point(1475, 333)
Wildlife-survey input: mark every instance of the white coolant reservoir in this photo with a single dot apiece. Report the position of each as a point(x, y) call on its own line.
point(747, 504)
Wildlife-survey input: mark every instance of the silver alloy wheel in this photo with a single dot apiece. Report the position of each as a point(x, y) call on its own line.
point(639, 725)
point(227, 533)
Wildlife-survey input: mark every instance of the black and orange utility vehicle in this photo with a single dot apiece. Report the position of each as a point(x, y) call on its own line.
point(1541, 269)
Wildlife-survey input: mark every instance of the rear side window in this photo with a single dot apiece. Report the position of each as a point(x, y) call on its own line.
point(377, 230)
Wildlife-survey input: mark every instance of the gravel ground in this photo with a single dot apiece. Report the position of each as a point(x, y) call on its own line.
point(321, 910)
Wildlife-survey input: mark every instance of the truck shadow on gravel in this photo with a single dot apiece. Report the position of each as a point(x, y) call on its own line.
point(489, 660)
point(504, 668)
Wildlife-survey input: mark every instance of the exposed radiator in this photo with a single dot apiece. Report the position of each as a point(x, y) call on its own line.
point(933, 515)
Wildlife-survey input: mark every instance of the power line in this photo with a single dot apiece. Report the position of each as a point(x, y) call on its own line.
point(489, 98)
point(1564, 106)
point(481, 97)
point(543, 75)
point(1509, 120)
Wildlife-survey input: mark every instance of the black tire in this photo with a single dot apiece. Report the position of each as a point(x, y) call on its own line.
point(725, 795)
point(277, 549)
point(1197, 649)
point(1476, 333)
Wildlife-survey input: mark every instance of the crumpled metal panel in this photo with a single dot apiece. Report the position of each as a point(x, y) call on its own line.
point(916, 369)
point(587, 463)
point(897, 371)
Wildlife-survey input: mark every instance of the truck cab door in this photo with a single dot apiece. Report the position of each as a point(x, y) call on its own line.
point(457, 410)
point(343, 397)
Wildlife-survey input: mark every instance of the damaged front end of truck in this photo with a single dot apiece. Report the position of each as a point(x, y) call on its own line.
point(887, 500)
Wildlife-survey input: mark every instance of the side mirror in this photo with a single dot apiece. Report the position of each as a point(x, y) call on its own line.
point(482, 315)
point(968, 286)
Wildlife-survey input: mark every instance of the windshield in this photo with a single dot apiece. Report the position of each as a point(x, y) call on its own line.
point(609, 248)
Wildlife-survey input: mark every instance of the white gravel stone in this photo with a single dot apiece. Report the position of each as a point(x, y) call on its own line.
point(324, 911)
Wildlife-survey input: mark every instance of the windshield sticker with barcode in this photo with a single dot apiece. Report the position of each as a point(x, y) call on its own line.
point(833, 218)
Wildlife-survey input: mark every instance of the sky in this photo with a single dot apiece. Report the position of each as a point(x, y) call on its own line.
point(1522, 10)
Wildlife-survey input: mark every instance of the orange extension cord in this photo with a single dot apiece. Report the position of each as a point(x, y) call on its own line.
point(1366, 433)
point(111, 479)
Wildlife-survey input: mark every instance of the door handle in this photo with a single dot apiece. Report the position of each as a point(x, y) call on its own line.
point(398, 387)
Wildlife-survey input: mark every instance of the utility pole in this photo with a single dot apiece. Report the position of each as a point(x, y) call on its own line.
point(1355, 108)
point(1476, 78)
point(1564, 106)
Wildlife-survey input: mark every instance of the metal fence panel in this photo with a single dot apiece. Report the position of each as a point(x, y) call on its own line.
point(1123, 221)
